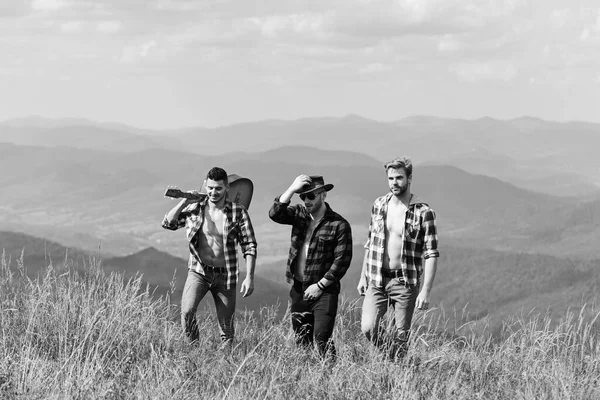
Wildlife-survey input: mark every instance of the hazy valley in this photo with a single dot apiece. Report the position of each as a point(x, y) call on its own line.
point(517, 201)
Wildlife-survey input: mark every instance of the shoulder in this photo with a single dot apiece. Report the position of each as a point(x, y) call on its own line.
point(238, 209)
point(339, 220)
point(424, 210)
point(381, 200)
point(193, 208)
point(236, 206)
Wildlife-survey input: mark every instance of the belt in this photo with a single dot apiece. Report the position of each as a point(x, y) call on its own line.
point(391, 273)
point(208, 267)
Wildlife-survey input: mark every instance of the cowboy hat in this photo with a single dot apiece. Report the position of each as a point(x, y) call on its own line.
point(316, 183)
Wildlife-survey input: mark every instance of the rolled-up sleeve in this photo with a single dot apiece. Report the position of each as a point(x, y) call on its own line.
point(430, 237)
point(181, 219)
point(173, 225)
point(342, 253)
point(247, 237)
point(368, 242)
point(282, 213)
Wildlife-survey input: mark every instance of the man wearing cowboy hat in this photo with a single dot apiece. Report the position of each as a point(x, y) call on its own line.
point(319, 256)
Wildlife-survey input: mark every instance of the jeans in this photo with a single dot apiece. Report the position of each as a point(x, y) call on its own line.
point(196, 287)
point(376, 303)
point(314, 318)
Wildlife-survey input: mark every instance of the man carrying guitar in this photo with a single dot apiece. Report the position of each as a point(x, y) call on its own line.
point(214, 226)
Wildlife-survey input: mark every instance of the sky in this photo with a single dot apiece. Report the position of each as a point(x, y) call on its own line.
point(179, 63)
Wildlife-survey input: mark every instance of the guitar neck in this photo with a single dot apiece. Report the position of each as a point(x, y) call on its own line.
point(191, 196)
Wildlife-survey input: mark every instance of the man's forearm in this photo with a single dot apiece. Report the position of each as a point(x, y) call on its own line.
point(250, 266)
point(430, 269)
point(363, 273)
point(173, 214)
point(286, 197)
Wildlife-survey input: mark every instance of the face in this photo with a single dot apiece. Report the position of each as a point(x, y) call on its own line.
point(217, 190)
point(398, 181)
point(314, 204)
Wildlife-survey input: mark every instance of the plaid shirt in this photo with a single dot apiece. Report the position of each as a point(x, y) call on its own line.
point(237, 229)
point(330, 247)
point(420, 240)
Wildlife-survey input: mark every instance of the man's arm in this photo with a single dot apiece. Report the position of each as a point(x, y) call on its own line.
point(172, 220)
point(341, 262)
point(248, 284)
point(280, 211)
point(362, 282)
point(248, 244)
point(431, 255)
point(430, 269)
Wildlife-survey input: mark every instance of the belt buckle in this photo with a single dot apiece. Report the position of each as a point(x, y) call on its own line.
point(210, 267)
point(389, 273)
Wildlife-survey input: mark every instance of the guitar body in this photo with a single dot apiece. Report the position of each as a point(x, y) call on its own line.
point(240, 191)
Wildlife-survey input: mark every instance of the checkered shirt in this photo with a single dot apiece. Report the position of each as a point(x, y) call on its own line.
point(330, 249)
point(420, 240)
point(237, 229)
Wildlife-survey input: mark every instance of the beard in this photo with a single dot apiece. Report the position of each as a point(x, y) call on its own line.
point(217, 198)
point(402, 189)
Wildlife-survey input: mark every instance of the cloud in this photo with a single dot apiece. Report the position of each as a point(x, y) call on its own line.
point(449, 44)
point(375, 68)
point(13, 8)
point(296, 24)
point(216, 33)
point(479, 71)
point(47, 5)
point(71, 26)
point(108, 26)
point(135, 53)
point(182, 5)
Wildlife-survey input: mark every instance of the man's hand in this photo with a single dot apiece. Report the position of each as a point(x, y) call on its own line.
point(362, 286)
point(299, 183)
point(247, 287)
point(423, 300)
point(312, 292)
point(196, 200)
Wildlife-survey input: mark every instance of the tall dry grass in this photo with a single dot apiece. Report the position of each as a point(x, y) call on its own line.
point(91, 335)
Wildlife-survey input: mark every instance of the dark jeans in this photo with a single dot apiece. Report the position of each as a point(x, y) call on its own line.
point(196, 287)
point(314, 318)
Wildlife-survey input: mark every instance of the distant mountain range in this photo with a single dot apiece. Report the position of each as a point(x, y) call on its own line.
point(86, 198)
point(544, 156)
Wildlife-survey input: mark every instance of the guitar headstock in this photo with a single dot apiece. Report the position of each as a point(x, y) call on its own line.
point(173, 192)
point(176, 193)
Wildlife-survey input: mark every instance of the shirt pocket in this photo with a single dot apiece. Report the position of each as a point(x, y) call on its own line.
point(325, 244)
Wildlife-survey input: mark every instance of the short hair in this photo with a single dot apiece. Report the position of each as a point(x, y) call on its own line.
point(400, 163)
point(217, 174)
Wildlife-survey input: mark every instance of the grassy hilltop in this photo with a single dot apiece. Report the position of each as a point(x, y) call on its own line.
point(96, 335)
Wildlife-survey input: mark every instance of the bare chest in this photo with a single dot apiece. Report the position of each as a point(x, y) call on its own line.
point(213, 225)
point(396, 215)
point(310, 229)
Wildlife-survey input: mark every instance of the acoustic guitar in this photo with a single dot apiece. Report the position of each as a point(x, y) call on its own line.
point(240, 191)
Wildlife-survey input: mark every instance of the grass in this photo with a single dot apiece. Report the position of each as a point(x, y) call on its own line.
point(93, 335)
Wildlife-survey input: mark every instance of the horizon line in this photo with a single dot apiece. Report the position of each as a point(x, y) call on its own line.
point(74, 121)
